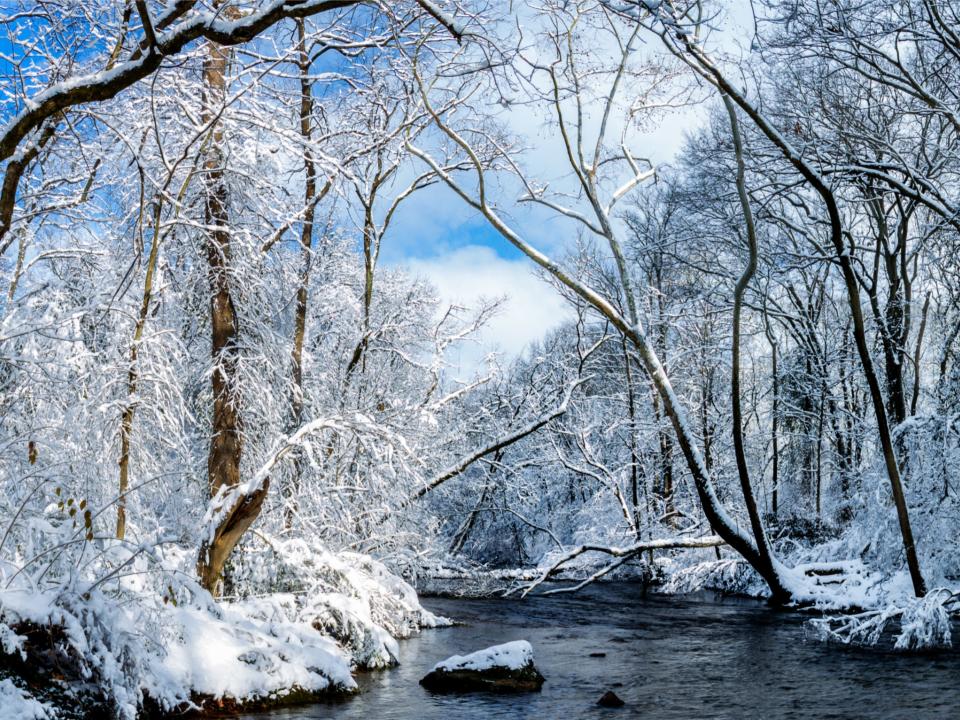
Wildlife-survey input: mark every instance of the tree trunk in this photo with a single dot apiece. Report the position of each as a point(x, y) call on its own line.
point(632, 430)
point(917, 353)
point(756, 524)
point(774, 423)
point(664, 440)
point(306, 249)
point(133, 377)
point(226, 442)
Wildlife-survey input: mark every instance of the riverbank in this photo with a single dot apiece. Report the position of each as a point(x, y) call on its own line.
point(152, 643)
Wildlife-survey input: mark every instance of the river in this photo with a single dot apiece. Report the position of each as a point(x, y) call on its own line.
point(666, 657)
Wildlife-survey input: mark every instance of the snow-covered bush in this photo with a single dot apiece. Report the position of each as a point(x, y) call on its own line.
point(733, 576)
point(349, 596)
point(154, 637)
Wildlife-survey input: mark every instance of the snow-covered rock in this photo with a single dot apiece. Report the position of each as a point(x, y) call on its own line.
point(512, 655)
point(502, 668)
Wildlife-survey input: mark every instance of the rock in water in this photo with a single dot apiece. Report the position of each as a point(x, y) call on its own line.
point(506, 668)
point(610, 699)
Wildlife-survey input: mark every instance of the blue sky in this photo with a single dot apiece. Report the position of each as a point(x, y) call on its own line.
point(438, 223)
point(439, 237)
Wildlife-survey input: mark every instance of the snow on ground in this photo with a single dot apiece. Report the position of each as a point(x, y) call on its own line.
point(16, 703)
point(243, 656)
point(156, 635)
point(512, 655)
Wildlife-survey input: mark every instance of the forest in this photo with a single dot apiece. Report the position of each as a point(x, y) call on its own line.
point(239, 441)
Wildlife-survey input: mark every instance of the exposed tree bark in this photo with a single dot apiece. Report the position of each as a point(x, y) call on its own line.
point(632, 439)
point(311, 198)
point(892, 316)
point(756, 524)
point(818, 487)
point(707, 429)
point(917, 353)
point(226, 442)
point(306, 228)
point(664, 438)
point(897, 326)
point(774, 421)
point(133, 376)
point(371, 249)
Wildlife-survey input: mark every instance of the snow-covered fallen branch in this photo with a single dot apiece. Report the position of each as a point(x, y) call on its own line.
point(621, 554)
point(923, 622)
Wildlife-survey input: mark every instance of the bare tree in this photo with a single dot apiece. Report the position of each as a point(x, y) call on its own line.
point(563, 86)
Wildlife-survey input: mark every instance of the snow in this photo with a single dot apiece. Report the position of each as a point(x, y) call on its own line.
point(512, 655)
point(242, 656)
point(165, 638)
point(15, 703)
point(353, 597)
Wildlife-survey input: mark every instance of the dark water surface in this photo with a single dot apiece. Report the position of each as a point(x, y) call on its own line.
point(667, 657)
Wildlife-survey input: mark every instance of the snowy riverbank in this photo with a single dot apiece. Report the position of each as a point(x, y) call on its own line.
point(848, 600)
point(155, 641)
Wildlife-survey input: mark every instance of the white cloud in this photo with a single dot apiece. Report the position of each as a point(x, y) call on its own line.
point(469, 273)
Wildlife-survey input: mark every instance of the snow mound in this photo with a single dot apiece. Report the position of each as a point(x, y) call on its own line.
point(348, 596)
point(151, 638)
point(514, 655)
point(126, 650)
point(243, 655)
point(15, 703)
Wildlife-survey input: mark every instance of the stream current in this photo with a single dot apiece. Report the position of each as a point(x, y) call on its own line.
point(667, 657)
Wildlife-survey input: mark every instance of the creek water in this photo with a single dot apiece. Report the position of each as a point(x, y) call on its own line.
point(666, 657)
